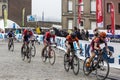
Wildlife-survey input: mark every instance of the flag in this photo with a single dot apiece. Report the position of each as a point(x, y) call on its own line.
point(79, 11)
point(99, 13)
point(112, 13)
point(23, 16)
point(5, 17)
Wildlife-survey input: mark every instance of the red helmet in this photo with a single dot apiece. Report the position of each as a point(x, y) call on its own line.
point(102, 34)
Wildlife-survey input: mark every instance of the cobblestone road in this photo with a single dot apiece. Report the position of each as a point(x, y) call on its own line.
point(13, 68)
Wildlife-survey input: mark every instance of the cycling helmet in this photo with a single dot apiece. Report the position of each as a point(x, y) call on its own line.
point(52, 32)
point(102, 34)
point(73, 35)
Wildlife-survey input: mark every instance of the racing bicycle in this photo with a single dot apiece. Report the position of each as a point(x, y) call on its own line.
point(99, 64)
point(72, 61)
point(49, 53)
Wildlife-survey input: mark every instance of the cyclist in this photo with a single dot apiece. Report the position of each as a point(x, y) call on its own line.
point(27, 34)
point(95, 46)
point(10, 36)
point(48, 35)
point(69, 42)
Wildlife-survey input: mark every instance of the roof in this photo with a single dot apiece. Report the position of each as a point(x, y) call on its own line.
point(10, 24)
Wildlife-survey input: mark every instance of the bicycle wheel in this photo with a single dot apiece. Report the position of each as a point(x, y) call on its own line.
point(29, 55)
point(66, 63)
point(33, 51)
point(52, 57)
point(75, 65)
point(12, 46)
point(23, 53)
point(9, 46)
point(102, 70)
point(44, 55)
point(86, 69)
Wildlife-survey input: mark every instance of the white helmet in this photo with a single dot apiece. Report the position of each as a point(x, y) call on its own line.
point(52, 32)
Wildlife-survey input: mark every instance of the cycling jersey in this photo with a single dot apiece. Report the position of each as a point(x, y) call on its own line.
point(47, 37)
point(98, 41)
point(10, 34)
point(26, 35)
point(71, 40)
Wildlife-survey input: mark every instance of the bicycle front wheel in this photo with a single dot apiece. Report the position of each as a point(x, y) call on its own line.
point(75, 65)
point(52, 57)
point(44, 55)
point(12, 47)
point(86, 70)
point(29, 55)
point(23, 53)
point(9, 46)
point(66, 62)
point(33, 51)
point(102, 70)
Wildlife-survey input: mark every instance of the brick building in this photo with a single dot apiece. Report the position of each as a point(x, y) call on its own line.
point(88, 14)
point(15, 10)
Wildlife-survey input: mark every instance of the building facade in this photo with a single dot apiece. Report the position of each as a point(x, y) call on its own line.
point(70, 14)
point(88, 14)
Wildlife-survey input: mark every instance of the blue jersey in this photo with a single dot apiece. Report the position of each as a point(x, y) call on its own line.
point(10, 34)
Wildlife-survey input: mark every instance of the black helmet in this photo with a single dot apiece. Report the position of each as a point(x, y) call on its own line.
point(73, 35)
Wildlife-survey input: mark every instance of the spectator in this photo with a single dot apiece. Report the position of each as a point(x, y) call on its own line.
point(83, 34)
point(87, 34)
point(77, 31)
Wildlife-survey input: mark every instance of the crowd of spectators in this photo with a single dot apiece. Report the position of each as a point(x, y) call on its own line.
point(81, 34)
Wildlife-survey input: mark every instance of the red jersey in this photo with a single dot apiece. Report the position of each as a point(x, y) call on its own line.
point(48, 36)
point(26, 31)
point(98, 41)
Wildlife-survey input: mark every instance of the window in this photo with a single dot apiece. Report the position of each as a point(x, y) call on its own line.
point(81, 26)
point(70, 22)
point(93, 25)
point(108, 7)
point(118, 7)
point(70, 4)
point(93, 6)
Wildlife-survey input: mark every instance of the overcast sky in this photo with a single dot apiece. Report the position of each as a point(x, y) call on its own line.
point(51, 9)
